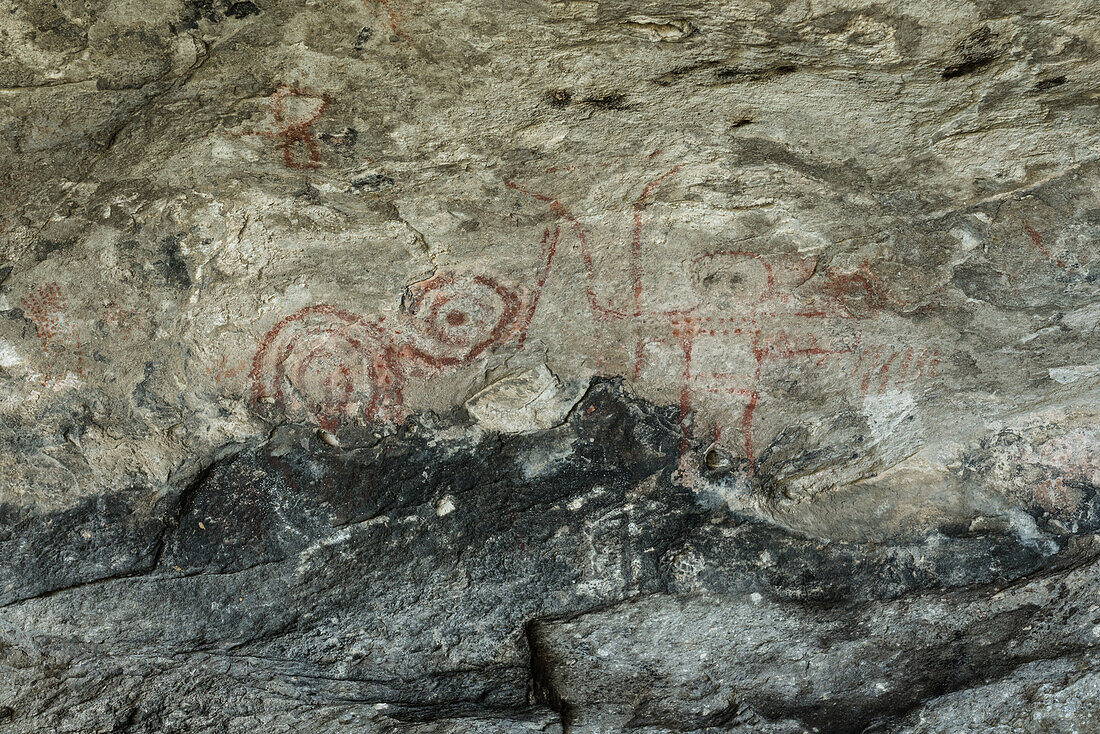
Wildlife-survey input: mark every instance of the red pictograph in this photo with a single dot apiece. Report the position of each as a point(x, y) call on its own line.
point(771, 294)
point(450, 319)
point(1037, 242)
point(599, 312)
point(395, 19)
point(293, 112)
point(636, 238)
point(328, 366)
point(744, 319)
point(45, 307)
point(881, 367)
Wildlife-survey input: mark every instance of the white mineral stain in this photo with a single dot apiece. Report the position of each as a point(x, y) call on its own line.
point(9, 356)
point(886, 413)
point(445, 506)
point(68, 382)
point(1066, 375)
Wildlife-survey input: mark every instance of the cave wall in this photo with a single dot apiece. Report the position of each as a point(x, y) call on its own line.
point(386, 365)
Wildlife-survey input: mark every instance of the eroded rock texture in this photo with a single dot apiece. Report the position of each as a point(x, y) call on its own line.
point(386, 365)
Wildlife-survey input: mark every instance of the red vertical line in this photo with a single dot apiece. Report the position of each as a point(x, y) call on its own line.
point(636, 238)
point(639, 358)
point(769, 275)
point(903, 368)
point(549, 246)
point(754, 398)
point(884, 373)
point(1037, 241)
point(932, 363)
point(556, 207)
point(746, 427)
point(687, 343)
point(586, 255)
point(865, 383)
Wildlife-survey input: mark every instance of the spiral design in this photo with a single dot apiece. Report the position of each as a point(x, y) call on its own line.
point(326, 366)
point(450, 319)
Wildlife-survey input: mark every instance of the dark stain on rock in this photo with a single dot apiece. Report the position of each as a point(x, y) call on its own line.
point(53, 31)
point(364, 35)
point(974, 53)
point(559, 97)
point(310, 193)
point(372, 182)
point(287, 550)
point(198, 10)
point(172, 264)
point(241, 10)
point(721, 71)
point(144, 395)
point(1051, 83)
point(266, 504)
point(739, 75)
point(214, 11)
point(234, 519)
point(610, 101)
point(348, 137)
point(46, 247)
point(109, 534)
point(757, 150)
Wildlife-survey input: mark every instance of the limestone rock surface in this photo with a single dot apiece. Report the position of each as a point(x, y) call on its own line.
point(580, 366)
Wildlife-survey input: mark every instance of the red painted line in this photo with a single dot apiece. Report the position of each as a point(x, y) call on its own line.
point(746, 430)
point(393, 18)
point(599, 312)
point(1037, 241)
point(686, 344)
point(549, 247)
point(639, 359)
point(636, 237)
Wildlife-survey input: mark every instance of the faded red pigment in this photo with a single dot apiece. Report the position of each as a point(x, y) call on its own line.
point(45, 307)
point(451, 319)
point(460, 316)
point(1037, 243)
point(296, 140)
point(334, 336)
point(324, 361)
point(839, 292)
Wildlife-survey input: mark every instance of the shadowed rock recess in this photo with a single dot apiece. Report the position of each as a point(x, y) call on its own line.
point(576, 367)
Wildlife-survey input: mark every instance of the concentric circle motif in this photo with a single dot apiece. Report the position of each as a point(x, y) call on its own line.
point(451, 318)
point(326, 366)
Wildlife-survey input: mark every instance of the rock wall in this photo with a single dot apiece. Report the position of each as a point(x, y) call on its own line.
point(386, 365)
